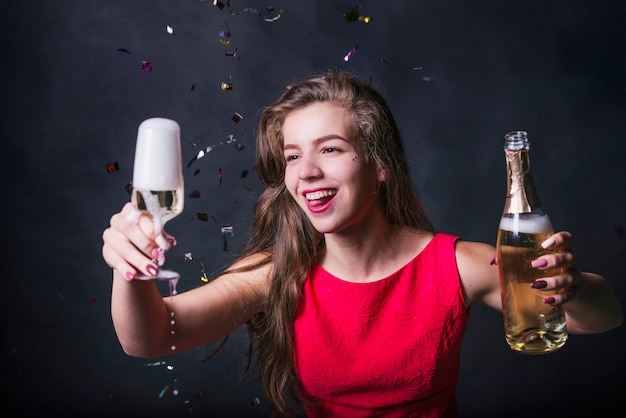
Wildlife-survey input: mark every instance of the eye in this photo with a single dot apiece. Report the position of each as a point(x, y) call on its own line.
point(329, 150)
point(291, 157)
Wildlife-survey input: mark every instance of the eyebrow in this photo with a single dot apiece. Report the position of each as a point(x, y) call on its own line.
point(317, 141)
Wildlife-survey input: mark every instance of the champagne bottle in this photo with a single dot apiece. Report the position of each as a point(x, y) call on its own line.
point(531, 326)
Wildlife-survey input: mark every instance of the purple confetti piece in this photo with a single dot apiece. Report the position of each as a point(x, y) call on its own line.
point(146, 66)
point(351, 53)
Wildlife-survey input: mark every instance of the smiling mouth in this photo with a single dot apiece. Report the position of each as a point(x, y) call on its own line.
point(320, 195)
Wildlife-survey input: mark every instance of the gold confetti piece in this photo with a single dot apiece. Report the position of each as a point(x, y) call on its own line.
point(202, 216)
point(226, 86)
point(203, 275)
point(354, 16)
point(169, 29)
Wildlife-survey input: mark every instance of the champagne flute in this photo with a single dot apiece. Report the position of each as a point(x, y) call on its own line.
point(158, 186)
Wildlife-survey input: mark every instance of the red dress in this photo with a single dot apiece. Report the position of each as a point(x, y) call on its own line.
point(389, 348)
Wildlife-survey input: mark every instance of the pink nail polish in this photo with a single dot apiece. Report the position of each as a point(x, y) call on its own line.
point(153, 271)
point(154, 253)
point(539, 263)
point(130, 275)
point(172, 241)
point(549, 300)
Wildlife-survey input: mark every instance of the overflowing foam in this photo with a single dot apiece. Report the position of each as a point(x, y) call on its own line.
point(157, 155)
point(526, 223)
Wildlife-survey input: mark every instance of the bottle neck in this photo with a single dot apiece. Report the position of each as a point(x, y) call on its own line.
point(521, 196)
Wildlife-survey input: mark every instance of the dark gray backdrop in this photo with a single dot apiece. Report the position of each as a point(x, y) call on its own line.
point(458, 74)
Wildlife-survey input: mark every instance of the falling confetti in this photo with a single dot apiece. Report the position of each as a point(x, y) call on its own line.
point(188, 257)
point(231, 140)
point(226, 86)
point(146, 66)
point(169, 29)
point(227, 230)
point(225, 33)
point(202, 216)
point(233, 54)
point(203, 276)
point(194, 194)
point(237, 117)
point(252, 10)
point(219, 175)
point(113, 167)
point(354, 16)
point(351, 53)
point(272, 19)
point(124, 50)
point(165, 389)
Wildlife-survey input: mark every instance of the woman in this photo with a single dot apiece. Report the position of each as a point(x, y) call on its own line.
point(359, 307)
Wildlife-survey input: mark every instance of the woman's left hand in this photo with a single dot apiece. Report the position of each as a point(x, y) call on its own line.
point(560, 260)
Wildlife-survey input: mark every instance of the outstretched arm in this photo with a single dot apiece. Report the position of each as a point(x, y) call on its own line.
point(143, 318)
point(589, 303)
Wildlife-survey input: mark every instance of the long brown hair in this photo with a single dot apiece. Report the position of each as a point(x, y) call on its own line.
point(282, 230)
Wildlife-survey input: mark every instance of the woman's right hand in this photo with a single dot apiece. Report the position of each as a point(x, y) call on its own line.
point(129, 245)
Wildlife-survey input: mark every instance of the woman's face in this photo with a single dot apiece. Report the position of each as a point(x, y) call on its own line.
point(326, 172)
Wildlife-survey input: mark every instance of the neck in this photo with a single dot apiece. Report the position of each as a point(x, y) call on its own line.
point(371, 252)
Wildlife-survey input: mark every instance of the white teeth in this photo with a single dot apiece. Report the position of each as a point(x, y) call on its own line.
point(320, 194)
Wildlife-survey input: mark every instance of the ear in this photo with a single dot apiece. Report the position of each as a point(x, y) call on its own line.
point(382, 175)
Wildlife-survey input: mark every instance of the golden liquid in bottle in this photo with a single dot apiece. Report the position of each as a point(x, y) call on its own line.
point(531, 326)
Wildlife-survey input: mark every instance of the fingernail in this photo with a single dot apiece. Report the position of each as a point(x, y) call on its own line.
point(152, 270)
point(549, 300)
point(161, 257)
point(548, 243)
point(155, 253)
point(540, 262)
point(172, 241)
point(539, 284)
point(130, 275)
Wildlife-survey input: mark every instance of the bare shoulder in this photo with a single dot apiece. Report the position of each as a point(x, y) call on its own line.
point(478, 272)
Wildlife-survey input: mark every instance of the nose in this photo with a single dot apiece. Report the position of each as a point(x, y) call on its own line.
point(309, 168)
